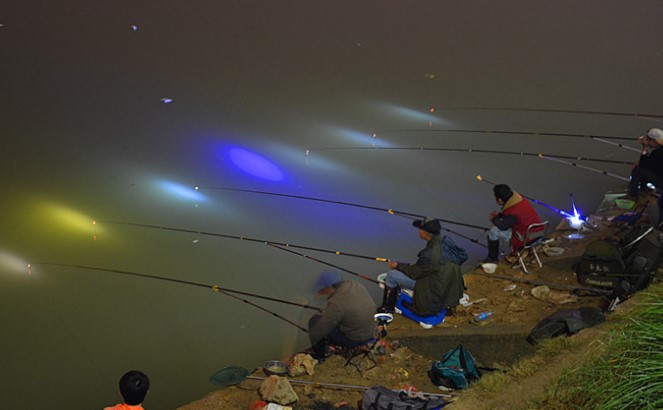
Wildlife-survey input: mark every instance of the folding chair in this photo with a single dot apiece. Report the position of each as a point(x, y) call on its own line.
point(356, 354)
point(534, 236)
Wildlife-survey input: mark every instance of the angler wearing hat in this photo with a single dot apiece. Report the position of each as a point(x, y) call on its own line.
point(347, 320)
point(437, 282)
point(510, 224)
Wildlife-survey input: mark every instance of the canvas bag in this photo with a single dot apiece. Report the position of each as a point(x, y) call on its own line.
point(382, 398)
point(452, 252)
point(456, 369)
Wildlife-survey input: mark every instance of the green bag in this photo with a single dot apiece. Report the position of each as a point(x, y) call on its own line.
point(456, 369)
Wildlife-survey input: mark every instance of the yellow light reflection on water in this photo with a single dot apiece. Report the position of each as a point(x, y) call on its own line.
point(71, 219)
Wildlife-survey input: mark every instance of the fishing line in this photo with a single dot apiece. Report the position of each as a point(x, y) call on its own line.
point(326, 263)
point(243, 238)
point(480, 151)
point(654, 117)
point(559, 211)
point(215, 288)
point(375, 208)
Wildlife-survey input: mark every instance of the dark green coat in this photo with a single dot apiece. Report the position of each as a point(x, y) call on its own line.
point(439, 284)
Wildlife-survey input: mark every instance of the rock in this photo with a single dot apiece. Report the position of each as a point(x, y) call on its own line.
point(302, 363)
point(278, 390)
point(559, 298)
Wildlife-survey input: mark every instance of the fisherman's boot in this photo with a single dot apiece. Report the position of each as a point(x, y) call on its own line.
point(320, 350)
point(493, 251)
point(388, 300)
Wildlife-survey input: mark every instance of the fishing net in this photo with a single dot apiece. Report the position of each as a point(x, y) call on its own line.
point(229, 376)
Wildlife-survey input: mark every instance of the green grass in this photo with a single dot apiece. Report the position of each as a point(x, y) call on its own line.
point(628, 374)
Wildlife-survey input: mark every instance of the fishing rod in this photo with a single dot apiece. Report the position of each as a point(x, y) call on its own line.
point(542, 283)
point(610, 174)
point(559, 211)
point(375, 208)
point(233, 375)
point(654, 117)
point(345, 386)
point(507, 132)
point(618, 145)
point(325, 263)
point(480, 151)
point(243, 238)
point(215, 288)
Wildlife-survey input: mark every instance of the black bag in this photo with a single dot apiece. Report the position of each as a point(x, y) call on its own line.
point(456, 369)
point(565, 322)
point(644, 260)
point(382, 398)
point(601, 264)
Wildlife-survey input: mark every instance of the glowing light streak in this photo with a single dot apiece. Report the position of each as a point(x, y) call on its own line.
point(360, 137)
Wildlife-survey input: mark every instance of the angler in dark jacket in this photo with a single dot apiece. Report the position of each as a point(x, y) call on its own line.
point(437, 283)
point(649, 169)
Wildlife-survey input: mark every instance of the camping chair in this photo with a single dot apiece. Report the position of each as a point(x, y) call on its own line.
point(356, 354)
point(533, 238)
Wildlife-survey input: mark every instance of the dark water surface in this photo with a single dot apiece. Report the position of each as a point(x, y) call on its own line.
point(261, 92)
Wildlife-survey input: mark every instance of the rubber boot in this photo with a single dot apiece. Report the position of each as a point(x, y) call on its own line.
point(493, 251)
point(388, 300)
point(320, 351)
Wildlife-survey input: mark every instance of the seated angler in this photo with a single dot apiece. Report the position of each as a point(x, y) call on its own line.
point(347, 319)
point(437, 282)
point(511, 222)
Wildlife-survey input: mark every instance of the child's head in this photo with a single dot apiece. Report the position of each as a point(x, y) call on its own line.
point(133, 387)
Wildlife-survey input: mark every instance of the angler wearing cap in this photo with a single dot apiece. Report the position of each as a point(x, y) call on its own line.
point(347, 320)
point(649, 169)
point(510, 224)
point(437, 282)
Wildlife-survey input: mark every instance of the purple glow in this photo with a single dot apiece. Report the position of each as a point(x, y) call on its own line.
point(576, 219)
point(255, 165)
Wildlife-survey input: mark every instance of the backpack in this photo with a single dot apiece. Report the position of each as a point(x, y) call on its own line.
point(382, 398)
point(629, 264)
point(452, 252)
point(601, 264)
point(456, 369)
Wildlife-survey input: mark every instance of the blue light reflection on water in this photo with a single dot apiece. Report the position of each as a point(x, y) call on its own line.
point(182, 191)
point(254, 164)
